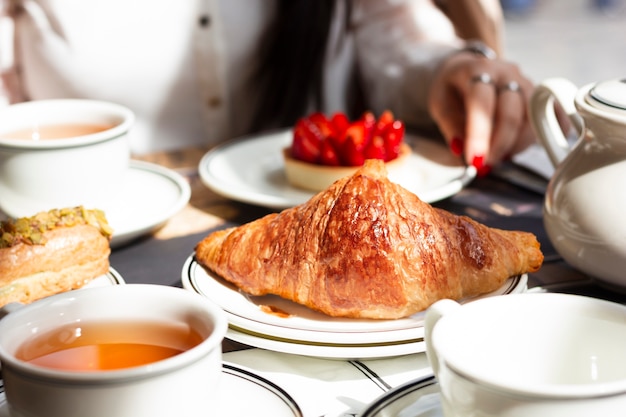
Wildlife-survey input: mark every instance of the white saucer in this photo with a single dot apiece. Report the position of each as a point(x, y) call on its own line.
point(419, 398)
point(150, 195)
point(252, 171)
point(242, 393)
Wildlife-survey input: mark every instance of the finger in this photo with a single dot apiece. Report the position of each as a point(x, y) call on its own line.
point(527, 137)
point(480, 105)
point(447, 111)
point(526, 134)
point(508, 123)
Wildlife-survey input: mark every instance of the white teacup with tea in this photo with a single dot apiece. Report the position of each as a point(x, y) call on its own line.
point(134, 350)
point(61, 153)
point(528, 355)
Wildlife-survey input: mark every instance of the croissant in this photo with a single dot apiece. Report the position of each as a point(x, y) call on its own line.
point(367, 248)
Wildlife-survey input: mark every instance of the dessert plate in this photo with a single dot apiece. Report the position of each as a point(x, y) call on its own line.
point(151, 195)
point(237, 383)
point(252, 171)
point(418, 398)
point(272, 322)
point(110, 278)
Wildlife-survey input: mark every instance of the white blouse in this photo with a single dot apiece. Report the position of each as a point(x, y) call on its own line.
point(183, 65)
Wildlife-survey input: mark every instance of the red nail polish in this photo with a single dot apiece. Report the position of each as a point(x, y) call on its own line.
point(481, 168)
point(456, 146)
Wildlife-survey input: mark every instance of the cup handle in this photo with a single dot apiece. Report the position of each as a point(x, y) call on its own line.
point(9, 308)
point(544, 120)
point(434, 313)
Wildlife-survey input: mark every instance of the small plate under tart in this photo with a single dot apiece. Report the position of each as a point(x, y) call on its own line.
point(252, 170)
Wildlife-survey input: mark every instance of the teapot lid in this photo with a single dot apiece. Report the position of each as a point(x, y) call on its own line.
point(609, 93)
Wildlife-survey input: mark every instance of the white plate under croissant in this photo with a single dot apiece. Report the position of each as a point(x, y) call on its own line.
point(365, 250)
point(304, 331)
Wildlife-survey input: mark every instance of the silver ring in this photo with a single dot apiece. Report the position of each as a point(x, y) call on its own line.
point(510, 86)
point(482, 78)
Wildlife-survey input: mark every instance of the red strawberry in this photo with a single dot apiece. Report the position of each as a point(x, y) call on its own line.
point(353, 145)
point(393, 139)
point(383, 123)
point(341, 123)
point(306, 144)
point(324, 125)
point(351, 155)
point(376, 149)
point(369, 122)
point(328, 155)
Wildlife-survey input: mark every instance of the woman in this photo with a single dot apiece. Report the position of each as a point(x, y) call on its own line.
point(202, 71)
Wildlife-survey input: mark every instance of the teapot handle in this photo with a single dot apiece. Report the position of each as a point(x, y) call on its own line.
point(544, 120)
point(434, 313)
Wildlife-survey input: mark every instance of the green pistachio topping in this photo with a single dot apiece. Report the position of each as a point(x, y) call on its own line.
point(30, 230)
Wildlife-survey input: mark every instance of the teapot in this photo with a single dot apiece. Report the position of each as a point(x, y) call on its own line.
point(585, 203)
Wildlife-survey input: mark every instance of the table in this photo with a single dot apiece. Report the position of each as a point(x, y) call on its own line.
point(159, 258)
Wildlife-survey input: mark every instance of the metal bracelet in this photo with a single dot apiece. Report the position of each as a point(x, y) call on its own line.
point(479, 48)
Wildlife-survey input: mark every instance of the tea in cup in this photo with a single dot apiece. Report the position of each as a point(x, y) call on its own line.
point(61, 153)
point(529, 355)
point(127, 350)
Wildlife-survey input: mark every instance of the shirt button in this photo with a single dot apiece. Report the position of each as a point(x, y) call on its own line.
point(214, 102)
point(204, 21)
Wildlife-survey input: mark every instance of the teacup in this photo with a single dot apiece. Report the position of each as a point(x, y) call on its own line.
point(179, 379)
point(61, 153)
point(529, 355)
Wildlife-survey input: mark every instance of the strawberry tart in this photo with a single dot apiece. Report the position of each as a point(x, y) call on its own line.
point(325, 149)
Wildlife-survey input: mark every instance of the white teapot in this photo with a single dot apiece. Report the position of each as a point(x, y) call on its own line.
point(585, 202)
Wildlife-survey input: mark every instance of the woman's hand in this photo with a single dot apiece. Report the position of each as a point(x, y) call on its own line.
point(480, 106)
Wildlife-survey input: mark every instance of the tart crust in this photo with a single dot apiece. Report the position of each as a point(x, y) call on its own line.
point(314, 177)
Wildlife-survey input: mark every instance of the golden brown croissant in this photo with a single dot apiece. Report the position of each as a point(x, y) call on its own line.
point(367, 248)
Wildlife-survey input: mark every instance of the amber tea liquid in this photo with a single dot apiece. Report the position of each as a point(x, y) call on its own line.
point(60, 131)
point(101, 346)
